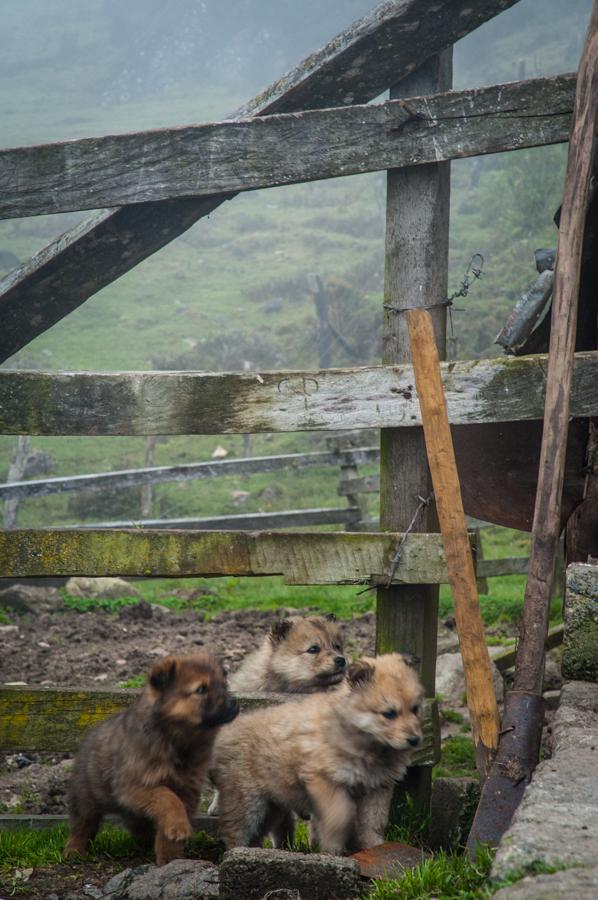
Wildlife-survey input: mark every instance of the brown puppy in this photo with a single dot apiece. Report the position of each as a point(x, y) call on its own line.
point(301, 654)
point(332, 757)
point(148, 762)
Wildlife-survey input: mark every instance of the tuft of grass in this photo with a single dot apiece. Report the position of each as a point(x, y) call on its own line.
point(450, 876)
point(135, 681)
point(457, 758)
point(92, 604)
point(43, 847)
point(452, 715)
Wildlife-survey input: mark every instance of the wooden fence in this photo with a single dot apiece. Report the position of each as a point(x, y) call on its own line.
point(309, 124)
point(352, 486)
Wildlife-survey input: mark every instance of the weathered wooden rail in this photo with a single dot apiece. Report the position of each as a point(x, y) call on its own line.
point(165, 403)
point(127, 478)
point(260, 152)
point(302, 558)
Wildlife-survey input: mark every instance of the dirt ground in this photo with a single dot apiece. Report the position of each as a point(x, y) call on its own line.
point(99, 649)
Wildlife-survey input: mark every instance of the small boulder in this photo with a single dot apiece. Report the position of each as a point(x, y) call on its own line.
point(182, 879)
point(28, 598)
point(450, 680)
point(253, 873)
point(104, 588)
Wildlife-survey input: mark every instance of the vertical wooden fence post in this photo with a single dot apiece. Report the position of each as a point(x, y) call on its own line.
point(416, 274)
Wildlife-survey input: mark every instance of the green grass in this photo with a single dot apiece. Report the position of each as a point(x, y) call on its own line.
point(449, 876)
point(452, 715)
point(457, 758)
point(43, 847)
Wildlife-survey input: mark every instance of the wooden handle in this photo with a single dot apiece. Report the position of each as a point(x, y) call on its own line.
point(481, 699)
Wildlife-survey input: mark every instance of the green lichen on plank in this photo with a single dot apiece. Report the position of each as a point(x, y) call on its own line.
point(44, 719)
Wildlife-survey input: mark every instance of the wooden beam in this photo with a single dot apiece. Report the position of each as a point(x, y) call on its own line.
point(302, 558)
point(506, 659)
point(361, 484)
point(56, 719)
point(245, 154)
point(415, 273)
point(481, 700)
point(126, 478)
point(139, 403)
point(290, 518)
point(355, 67)
point(495, 568)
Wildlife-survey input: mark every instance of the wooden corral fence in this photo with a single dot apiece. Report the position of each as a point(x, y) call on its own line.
point(310, 124)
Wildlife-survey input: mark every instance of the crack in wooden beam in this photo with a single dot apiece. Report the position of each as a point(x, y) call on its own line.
point(247, 154)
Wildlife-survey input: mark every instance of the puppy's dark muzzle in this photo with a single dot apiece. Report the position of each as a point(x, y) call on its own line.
point(414, 741)
point(224, 713)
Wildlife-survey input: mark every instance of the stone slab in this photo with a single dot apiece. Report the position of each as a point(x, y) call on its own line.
point(574, 884)
point(556, 821)
point(252, 874)
point(182, 879)
point(580, 639)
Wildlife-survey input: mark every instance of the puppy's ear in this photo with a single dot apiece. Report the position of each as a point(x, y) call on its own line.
point(411, 659)
point(280, 630)
point(360, 673)
point(163, 673)
point(330, 617)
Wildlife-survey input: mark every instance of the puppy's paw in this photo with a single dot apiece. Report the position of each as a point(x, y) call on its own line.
point(177, 830)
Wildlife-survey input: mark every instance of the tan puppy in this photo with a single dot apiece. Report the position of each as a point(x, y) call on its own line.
point(332, 757)
point(301, 654)
point(148, 762)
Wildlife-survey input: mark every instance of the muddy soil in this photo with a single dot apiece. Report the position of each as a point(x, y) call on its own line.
point(99, 649)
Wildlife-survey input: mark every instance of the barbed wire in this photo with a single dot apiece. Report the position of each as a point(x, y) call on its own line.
point(474, 271)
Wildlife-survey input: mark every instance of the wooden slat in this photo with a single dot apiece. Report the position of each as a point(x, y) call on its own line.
point(290, 518)
point(506, 659)
point(245, 154)
point(355, 67)
point(205, 823)
point(127, 478)
point(138, 403)
point(51, 719)
point(494, 568)
point(362, 484)
point(302, 558)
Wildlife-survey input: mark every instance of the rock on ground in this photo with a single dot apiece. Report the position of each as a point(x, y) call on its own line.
point(575, 884)
point(253, 874)
point(454, 802)
point(556, 821)
point(450, 680)
point(107, 588)
point(26, 598)
point(182, 879)
point(580, 641)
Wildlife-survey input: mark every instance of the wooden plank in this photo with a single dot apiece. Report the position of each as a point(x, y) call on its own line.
point(506, 659)
point(415, 273)
point(355, 67)
point(302, 558)
point(494, 568)
point(361, 484)
point(205, 823)
point(546, 526)
point(481, 700)
point(290, 518)
point(139, 403)
point(246, 154)
point(51, 719)
point(126, 478)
